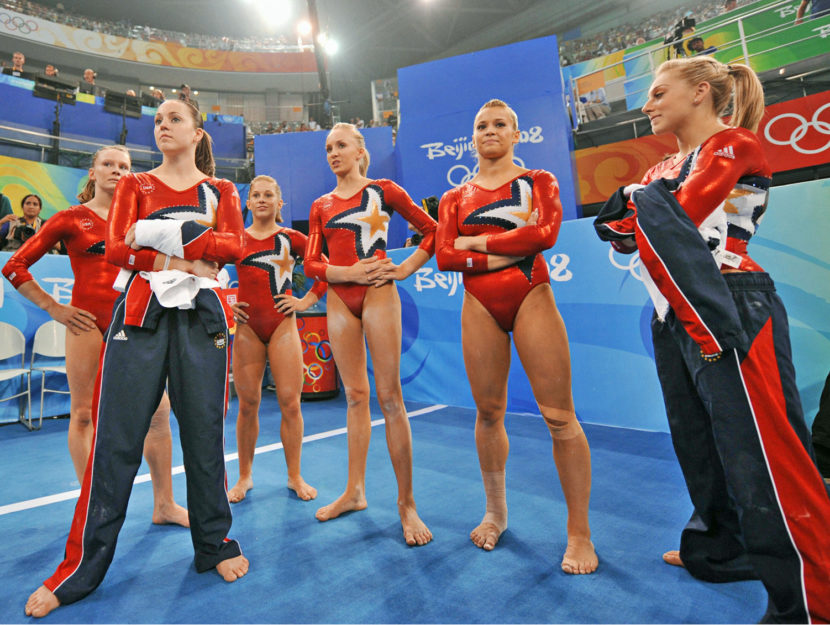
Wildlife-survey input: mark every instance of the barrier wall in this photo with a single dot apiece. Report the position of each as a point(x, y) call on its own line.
point(604, 305)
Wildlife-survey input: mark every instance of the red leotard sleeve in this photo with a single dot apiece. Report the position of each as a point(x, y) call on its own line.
point(315, 264)
point(224, 244)
point(123, 214)
point(723, 159)
point(447, 257)
point(299, 245)
point(397, 198)
point(533, 239)
point(55, 229)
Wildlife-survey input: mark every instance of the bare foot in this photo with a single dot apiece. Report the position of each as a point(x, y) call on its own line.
point(238, 492)
point(303, 490)
point(673, 558)
point(580, 557)
point(41, 602)
point(171, 514)
point(488, 532)
point(344, 503)
point(233, 568)
point(415, 531)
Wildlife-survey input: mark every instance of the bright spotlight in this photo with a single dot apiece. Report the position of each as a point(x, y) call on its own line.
point(304, 28)
point(275, 12)
point(331, 46)
point(322, 38)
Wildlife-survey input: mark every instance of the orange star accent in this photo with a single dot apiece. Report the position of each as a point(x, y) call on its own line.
point(525, 215)
point(377, 220)
point(728, 206)
point(283, 263)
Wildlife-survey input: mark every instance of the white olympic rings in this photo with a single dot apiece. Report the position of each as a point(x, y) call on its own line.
point(468, 174)
point(633, 266)
point(14, 22)
point(798, 133)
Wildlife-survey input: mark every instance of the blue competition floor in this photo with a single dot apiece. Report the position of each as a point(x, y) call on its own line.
point(357, 568)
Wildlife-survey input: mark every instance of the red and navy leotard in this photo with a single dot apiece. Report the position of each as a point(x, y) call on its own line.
point(82, 232)
point(212, 231)
point(265, 272)
point(502, 213)
point(356, 228)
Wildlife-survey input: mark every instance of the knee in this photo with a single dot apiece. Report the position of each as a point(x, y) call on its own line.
point(160, 423)
point(491, 411)
point(390, 400)
point(81, 418)
point(562, 424)
point(357, 396)
point(290, 409)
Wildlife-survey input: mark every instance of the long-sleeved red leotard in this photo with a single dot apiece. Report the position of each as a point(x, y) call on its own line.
point(502, 214)
point(265, 271)
point(82, 232)
point(212, 229)
point(356, 228)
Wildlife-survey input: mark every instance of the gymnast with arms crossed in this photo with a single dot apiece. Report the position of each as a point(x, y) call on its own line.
point(265, 301)
point(169, 229)
point(722, 346)
point(363, 301)
point(493, 230)
point(82, 229)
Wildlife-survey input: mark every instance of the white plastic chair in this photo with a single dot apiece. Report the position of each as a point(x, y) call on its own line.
point(12, 347)
point(50, 342)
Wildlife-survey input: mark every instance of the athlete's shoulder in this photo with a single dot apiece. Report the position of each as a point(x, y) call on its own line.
point(543, 176)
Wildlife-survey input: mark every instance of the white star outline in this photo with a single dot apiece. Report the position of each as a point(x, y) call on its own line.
point(272, 262)
point(509, 213)
point(204, 213)
point(357, 220)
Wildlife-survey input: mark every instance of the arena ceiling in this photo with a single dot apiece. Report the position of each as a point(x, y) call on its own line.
point(376, 37)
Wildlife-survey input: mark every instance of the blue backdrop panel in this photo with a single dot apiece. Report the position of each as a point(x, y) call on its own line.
point(297, 160)
point(439, 101)
point(607, 313)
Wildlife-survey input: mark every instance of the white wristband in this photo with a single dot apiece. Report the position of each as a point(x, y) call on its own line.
point(166, 262)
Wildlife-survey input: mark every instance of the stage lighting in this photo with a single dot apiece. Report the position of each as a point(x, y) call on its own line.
point(275, 12)
point(304, 28)
point(331, 47)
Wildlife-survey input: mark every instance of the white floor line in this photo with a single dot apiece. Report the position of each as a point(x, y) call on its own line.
point(145, 477)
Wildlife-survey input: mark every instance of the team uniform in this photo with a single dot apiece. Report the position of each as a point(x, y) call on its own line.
point(722, 350)
point(82, 232)
point(265, 271)
point(356, 228)
point(146, 345)
point(502, 213)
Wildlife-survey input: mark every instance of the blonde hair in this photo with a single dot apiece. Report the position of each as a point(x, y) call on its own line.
point(269, 180)
point(734, 84)
point(494, 103)
point(363, 166)
point(88, 192)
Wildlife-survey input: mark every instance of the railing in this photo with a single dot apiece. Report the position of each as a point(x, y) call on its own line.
point(765, 38)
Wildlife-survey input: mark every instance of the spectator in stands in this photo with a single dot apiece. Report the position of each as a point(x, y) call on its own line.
point(5, 209)
point(87, 85)
point(596, 105)
point(696, 47)
point(15, 231)
point(158, 94)
point(730, 5)
point(131, 92)
point(819, 8)
point(18, 59)
point(185, 95)
point(51, 70)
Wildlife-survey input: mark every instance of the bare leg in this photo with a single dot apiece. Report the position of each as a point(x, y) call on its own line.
point(158, 451)
point(41, 602)
point(346, 336)
point(233, 568)
point(248, 368)
point(487, 361)
point(542, 344)
point(82, 354)
point(285, 354)
point(382, 325)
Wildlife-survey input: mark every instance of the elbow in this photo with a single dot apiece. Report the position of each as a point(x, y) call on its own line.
point(443, 260)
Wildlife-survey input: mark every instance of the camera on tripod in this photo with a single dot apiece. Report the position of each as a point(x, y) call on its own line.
point(23, 233)
point(687, 23)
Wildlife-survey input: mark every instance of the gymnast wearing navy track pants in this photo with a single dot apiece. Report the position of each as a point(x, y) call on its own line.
point(169, 230)
point(722, 347)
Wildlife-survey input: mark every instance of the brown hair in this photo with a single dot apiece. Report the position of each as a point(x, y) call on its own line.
point(363, 166)
point(269, 180)
point(88, 192)
point(734, 84)
point(26, 197)
point(494, 103)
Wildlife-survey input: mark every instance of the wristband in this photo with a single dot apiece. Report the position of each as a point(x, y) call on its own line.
point(166, 262)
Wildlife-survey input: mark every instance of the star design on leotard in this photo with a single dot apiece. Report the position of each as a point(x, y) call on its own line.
point(278, 262)
point(369, 222)
point(96, 248)
point(204, 213)
point(510, 213)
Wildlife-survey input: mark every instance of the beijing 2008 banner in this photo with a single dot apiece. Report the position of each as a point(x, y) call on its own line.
point(439, 101)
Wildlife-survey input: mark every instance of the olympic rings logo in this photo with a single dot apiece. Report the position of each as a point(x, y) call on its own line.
point(633, 266)
point(466, 174)
point(801, 130)
point(15, 22)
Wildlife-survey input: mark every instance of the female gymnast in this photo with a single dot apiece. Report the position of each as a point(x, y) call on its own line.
point(169, 229)
point(265, 278)
point(721, 344)
point(363, 301)
point(82, 229)
point(493, 229)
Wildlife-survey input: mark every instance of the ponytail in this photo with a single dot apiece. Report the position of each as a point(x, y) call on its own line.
point(748, 98)
point(204, 154)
